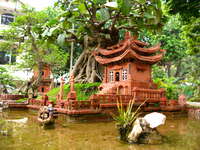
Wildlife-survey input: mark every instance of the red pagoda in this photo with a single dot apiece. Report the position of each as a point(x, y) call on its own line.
point(45, 82)
point(127, 77)
point(127, 69)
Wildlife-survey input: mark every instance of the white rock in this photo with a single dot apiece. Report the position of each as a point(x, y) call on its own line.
point(136, 131)
point(23, 121)
point(155, 119)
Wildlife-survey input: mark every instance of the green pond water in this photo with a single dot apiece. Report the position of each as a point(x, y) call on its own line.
point(92, 134)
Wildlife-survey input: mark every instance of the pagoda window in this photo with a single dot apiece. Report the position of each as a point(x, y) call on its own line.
point(117, 76)
point(124, 74)
point(7, 18)
point(111, 76)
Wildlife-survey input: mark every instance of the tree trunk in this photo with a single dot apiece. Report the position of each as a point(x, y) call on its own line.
point(86, 68)
point(30, 87)
point(168, 69)
point(178, 69)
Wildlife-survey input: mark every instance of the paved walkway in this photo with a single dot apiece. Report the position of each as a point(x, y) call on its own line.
point(197, 104)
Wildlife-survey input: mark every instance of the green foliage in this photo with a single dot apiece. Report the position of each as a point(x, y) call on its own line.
point(22, 100)
point(6, 80)
point(6, 45)
point(170, 40)
point(174, 63)
point(101, 19)
point(186, 8)
point(158, 72)
point(192, 81)
point(191, 35)
point(188, 11)
point(172, 89)
point(84, 91)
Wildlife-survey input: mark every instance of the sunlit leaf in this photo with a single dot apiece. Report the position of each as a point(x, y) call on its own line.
point(103, 14)
point(99, 1)
point(111, 4)
point(125, 6)
point(82, 8)
point(61, 39)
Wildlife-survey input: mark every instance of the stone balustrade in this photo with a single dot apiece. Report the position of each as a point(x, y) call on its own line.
point(145, 85)
point(11, 97)
point(99, 101)
point(36, 102)
point(149, 95)
point(79, 105)
point(106, 98)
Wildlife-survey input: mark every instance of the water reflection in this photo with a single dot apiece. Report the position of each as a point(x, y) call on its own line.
point(180, 133)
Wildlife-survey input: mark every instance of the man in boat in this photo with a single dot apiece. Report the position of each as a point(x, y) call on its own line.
point(50, 108)
point(45, 114)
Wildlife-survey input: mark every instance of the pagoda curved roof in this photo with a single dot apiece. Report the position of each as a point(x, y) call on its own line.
point(150, 50)
point(129, 47)
point(130, 54)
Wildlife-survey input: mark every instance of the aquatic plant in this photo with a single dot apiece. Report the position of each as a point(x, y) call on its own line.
point(5, 127)
point(126, 117)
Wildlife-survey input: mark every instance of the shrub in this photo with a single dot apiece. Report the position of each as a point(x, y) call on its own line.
point(172, 89)
point(84, 91)
point(21, 100)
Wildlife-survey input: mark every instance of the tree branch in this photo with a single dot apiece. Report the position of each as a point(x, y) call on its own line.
point(91, 16)
point(128, 28)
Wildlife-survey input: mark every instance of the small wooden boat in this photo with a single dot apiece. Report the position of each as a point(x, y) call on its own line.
point(46, 115)
point(3, 105)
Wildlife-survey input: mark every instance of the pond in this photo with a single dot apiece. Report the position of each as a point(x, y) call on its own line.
point(181, 134)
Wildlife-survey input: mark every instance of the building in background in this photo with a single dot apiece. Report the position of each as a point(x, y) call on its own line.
point(8, 10)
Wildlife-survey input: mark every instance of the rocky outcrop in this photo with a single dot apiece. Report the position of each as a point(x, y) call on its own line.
point(144, 129)
point(155, 119)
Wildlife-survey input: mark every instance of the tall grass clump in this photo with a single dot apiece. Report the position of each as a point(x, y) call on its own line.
point(126, 117)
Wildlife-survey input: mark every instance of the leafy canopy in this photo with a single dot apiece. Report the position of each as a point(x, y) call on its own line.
point(102, 20)
point(186, 8)
point(27, 34)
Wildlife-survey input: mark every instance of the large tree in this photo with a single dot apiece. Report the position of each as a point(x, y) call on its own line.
point(170, 39)
point(185, 8)
point(26, 33)
point(99, 23)
point(189, 11)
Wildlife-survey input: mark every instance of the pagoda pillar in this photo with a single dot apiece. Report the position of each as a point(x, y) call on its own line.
point(72, 93)
point(61, 89)
point(105, 75)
